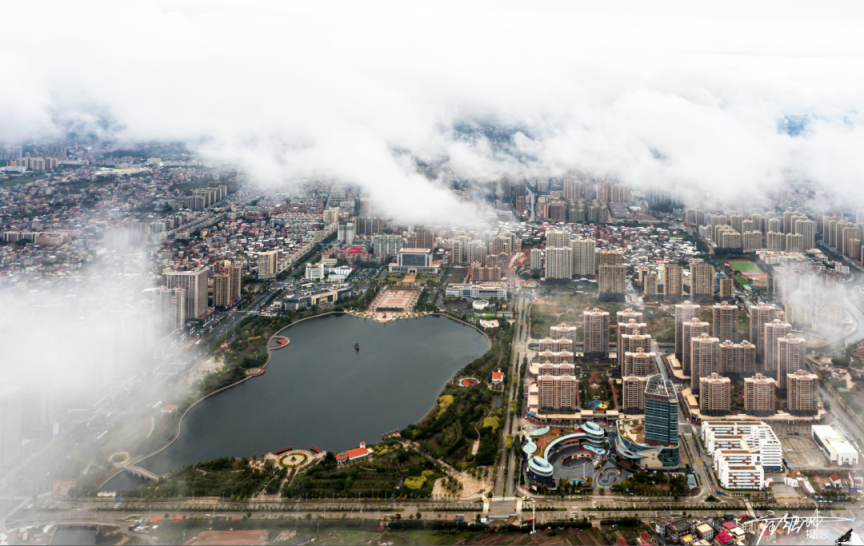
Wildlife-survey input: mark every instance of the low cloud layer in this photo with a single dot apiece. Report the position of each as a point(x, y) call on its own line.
point(670, 95)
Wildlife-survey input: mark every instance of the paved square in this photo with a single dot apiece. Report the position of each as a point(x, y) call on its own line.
point(805, 453)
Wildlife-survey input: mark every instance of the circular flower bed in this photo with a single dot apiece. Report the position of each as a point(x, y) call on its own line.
point(293, 459)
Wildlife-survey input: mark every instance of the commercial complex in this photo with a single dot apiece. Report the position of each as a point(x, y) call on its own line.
point(652, 442)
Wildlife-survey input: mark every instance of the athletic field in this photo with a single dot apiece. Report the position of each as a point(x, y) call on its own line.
point(750, 271)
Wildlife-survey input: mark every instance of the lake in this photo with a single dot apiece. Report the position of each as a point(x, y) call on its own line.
point(318, 391)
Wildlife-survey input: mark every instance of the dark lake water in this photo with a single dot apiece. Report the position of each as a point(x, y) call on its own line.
point(75, 536)
point(320, 391)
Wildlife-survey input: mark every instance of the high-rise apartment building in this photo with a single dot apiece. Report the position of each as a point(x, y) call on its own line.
point(388, 244)
point(596, 328)
point(194, 285)
point(557, 394)
point(423, 238)
point(221, 289)
point(689, 330)
point(673, 282)
point(802, 393)
point(559, 262)
point(807, 228)
point(760, 315)
point(701, 280)
point(584, 251)
point(791, 357)
point(649, 286)
point(268, 264)
point(714, 395)
point(612, 282)
point(640, 362)
point(759, 395)
point(169, 305)
point(661, 412)
point(631, 336)
point(725, 321)
point(727, 288)
point(794, 242)
point(623, 318)
point(775, 241)
point(557, 239)
point(684, 312)
point(774, 330)
point(564, 331)
point(737, 358)
point(705, 359)
point(536, 259)
point(751, 240)
point(331, 215)
point(611, 257)
point(633, 394)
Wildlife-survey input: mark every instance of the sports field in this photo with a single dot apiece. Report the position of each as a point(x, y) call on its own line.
point(750, 271)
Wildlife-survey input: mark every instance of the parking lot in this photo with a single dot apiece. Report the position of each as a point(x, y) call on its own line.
point(805, 453)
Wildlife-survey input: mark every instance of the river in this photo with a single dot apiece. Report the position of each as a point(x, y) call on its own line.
point(320, 391)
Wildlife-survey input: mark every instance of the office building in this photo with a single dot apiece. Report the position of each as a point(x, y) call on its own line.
point(661, 412)
point(557, 394)
point(596, 328)
point(414, 260)
point(725, 322)
point(759, 395)
point(760, 315)
point(791, 356)
point(194, 285)
point(774, 330)
point(714, 394)
point(684, 312)
point(689, 330)
point(737, 358)
point(802, 393)
point(584, 254)
point(704, 357)
point(633, 394)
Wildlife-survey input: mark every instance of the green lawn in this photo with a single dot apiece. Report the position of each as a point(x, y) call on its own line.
point(745, 266)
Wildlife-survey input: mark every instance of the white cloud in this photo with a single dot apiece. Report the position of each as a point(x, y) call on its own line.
point(331, 88)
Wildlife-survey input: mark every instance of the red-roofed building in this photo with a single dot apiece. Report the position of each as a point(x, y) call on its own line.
point(835, 480)
point(497, 377)
point(170, 408)
point(353, 454)
point(644, 538)
point(723, 538)
point(622, 542)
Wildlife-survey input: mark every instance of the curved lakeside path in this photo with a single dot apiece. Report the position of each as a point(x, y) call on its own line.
point(320, 391)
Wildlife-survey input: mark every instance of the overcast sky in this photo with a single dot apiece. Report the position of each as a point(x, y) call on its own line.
point(667, 94)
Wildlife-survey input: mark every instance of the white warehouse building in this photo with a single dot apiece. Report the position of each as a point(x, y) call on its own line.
point(834, 444)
